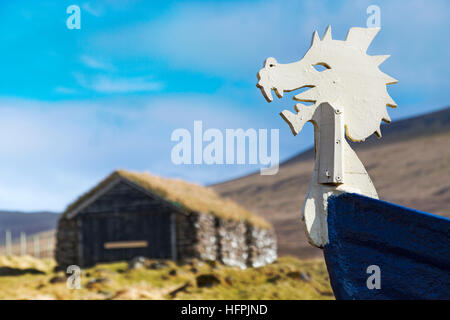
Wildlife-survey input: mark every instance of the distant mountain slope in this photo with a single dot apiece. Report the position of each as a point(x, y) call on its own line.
point(29, 223)
point(410, 166)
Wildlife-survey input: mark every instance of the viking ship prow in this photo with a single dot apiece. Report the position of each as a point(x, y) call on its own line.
point(341, 212)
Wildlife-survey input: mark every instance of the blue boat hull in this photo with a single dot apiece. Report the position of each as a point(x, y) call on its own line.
point(379, 250)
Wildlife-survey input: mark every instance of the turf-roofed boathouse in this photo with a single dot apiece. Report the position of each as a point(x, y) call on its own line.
point(132, 214)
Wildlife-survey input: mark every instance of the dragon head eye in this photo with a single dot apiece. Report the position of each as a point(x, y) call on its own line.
point(270, 62)
point(321, 66)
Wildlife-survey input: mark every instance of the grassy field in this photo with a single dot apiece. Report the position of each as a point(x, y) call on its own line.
point(287, 278)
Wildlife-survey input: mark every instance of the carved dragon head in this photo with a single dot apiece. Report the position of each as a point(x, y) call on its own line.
point(350, 79)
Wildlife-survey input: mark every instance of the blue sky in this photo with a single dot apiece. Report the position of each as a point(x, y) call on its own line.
point(76, 104)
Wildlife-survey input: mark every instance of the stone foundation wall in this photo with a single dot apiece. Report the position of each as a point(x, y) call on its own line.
point(233, 243)
point(262, 246)
point(207, 244)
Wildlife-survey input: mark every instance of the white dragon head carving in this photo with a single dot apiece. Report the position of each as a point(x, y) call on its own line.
point(351, 80)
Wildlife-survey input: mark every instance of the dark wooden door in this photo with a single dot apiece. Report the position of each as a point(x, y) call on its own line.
point(118, 237)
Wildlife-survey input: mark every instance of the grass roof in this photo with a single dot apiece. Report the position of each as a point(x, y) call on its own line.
point(189, 196)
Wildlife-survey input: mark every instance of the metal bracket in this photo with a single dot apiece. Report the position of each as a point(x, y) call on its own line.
point(331, 135)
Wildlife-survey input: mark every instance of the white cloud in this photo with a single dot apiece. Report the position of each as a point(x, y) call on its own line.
point(95, 63)
point(95, 10)
point(122, 85)
point(65, 90)
point(54, 151)
point(113, 84)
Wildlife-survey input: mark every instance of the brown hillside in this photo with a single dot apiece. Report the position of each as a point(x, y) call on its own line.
point(409, 166)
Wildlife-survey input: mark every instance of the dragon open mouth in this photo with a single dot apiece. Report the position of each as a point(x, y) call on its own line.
point(304, 96)
point(267, 92)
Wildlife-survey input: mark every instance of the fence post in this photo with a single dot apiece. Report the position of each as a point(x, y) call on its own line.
point(49, 247)
point(8, 243)
point(36, 246)
point(23, 244)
